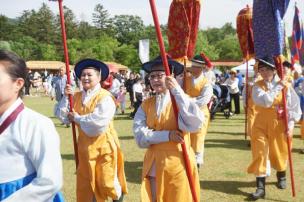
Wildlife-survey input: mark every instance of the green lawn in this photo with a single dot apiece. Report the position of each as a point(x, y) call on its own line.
point(223, 176)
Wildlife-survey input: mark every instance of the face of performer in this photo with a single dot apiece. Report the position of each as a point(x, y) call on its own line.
point(90, 78)
point(196, 71)
point(10, 86)
point(157, 81)
point(266, 73)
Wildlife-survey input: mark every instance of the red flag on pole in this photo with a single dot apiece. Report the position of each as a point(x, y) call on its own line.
point(297, 39)
point(182, 27)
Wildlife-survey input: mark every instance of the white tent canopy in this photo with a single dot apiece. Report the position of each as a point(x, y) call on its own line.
point(242, 68)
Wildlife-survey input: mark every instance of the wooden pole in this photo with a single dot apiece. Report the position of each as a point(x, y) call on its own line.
point(279, 66)
point(67, 67)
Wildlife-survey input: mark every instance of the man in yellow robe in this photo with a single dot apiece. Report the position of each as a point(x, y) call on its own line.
point(164, 177)
point(199, 88)
point(268, 138)
point(100, 173)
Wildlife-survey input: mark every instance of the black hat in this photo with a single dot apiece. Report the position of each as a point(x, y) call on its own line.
point(156, 65)
point(92, 63)
point(287, 64)
point(199, 60)
point(266, 61)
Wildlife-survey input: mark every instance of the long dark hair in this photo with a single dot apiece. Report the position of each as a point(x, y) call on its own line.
point(15, 66)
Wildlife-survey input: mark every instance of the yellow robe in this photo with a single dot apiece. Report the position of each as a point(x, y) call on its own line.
point(268, 139)
point(198, 138)
point(171, 178)
point(250, 111)
point(99, 158)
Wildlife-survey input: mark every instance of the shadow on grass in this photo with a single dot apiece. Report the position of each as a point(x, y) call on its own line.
point(126, 137)
point(122, 118)
point(232, 188)
point(297, 150)
point(226, 133)
point(133, 171)
point(230, 144)
point(67, 156)
point(228, 187)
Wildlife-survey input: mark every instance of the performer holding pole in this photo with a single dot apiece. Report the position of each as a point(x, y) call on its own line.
point(268, 138)
point(167, 71)
point(100, 174)
point(199, 88)
point(164, 176)
point(268, 29)
point(67, 66)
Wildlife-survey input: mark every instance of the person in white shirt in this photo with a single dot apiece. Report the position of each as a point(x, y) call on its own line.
point(232, 82)
point(100, 172)
point(155, 128)
point(115, 86)
point(268, 137)
point(31, 168)
point(138, 95)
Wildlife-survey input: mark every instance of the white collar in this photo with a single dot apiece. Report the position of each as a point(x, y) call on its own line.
point(10, 110)
point(87, 95)
point(274, 81)
point(92, 90)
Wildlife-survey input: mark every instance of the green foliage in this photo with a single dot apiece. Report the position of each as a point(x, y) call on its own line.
point(127, 55)
point(224, 41)
point(101, 17)
point(36, 35)
point(4, 45)
point(86, 31)
point(27, 47)
point(6, 28)
point(127, 28)
point(48, 52)
point(229, 48)
point(203, 45)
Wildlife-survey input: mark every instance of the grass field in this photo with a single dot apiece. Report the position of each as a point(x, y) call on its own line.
point(223, 176)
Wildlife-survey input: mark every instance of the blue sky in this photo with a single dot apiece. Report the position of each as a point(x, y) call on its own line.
point(214, 13)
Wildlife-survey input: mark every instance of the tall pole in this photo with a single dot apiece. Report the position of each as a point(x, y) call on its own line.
point(246, 101)
point(67, 67)
point(167, 71)
point(279, 66)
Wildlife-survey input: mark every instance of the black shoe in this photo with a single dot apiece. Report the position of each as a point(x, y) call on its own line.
point(281, 176)
point(258, 194)
point(198, 167)
point(249, 144)
point(260, 191)
point(120, 199)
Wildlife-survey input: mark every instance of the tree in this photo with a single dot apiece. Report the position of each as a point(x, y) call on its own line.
point(69, 22)
point(38, 25)
point(127, 55)
point(86, 31)
point(74, 49)
point(101, 17)
point(7, 28)
point(203, 45)
point(48, 52)
point(27, 48)
point(229, 48)
point(127, 28)
point(5, 45)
